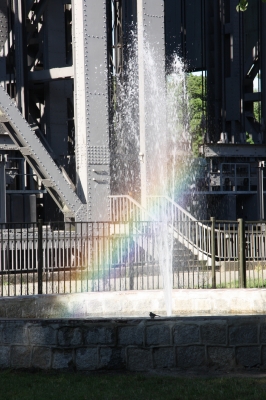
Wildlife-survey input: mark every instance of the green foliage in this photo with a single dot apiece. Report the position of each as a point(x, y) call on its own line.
point(249, 139)
point(243, 5)
point(257, 110)
point(197, 106)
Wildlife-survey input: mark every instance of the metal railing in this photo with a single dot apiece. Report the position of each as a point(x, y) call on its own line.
point(125, 208)
point(130, 255)
point(162, 207)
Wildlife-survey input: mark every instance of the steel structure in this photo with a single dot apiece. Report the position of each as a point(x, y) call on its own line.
point(58, 65)
point(228, 48)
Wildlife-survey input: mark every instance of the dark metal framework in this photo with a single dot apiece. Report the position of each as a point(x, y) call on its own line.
point(227, 47)
point(38, 69)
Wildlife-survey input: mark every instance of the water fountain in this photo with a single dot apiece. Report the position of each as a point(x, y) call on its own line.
point(149, 130)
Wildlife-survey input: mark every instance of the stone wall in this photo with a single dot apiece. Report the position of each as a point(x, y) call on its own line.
point(134, 344)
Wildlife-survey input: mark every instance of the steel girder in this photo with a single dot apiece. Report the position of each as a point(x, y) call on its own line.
point(92, 106)
point(2, 189)
point(39, 159)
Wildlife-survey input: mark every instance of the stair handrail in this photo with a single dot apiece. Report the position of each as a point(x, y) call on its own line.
point(183, 232)
point(183, 211)
point(123, 208)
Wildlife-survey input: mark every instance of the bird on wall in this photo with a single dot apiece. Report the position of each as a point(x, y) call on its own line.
point(152, 315)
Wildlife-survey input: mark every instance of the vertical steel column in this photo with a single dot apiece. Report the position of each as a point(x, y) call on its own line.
point(40, 255)
point(19, 57)
point(92, 106)
point(263, 69)
point(3, 39)
point(260, 193)
point(241, 252)
point(56, 90)
point(213, 252)
point(2, 189)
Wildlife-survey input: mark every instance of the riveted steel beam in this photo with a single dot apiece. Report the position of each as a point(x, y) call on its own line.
point(92, 105)
point(40, 160)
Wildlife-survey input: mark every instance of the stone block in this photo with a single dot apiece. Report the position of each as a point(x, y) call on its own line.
point(62, 359)
point(213, 333)
point(42, 335)
point(56, 306)
point(29, 309)
point(87, 358)
point(139, 359)
point(3, 309)
point(41, 357)
point(20, 356)
point(131, 335)
point(157, 335)
point(79, 308)
point(14, 309)
point(263, 356)
point(263, 333)
point(112, 358)
point(221, 356)
point(100, 335)
point(164, 357)
point(14, 332)
point(190, 356)
point(68, 336)
point(248, 356)
point(186, 334)
point(4, 356)
point(243, 334)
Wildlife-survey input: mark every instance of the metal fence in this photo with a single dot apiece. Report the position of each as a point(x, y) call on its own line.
point(109, 256)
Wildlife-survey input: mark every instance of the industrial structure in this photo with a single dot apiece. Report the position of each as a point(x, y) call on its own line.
point(227, 47)
point(58, 61)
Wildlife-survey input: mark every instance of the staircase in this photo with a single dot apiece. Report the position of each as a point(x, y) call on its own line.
point(190, 237)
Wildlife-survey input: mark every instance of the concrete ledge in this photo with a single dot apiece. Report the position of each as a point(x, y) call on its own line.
point(135, 304)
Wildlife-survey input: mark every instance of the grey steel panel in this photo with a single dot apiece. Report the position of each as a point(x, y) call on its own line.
point(92, 129)
point(3, 23)
point(40, 160)
point(98, 155)
point(233, 150)
point(99, 121)
point(153, 18)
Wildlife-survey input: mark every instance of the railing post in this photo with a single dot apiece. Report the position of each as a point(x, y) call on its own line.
point(40, 255)
point(130, 257)
point(213, 252)
point(241, 253)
